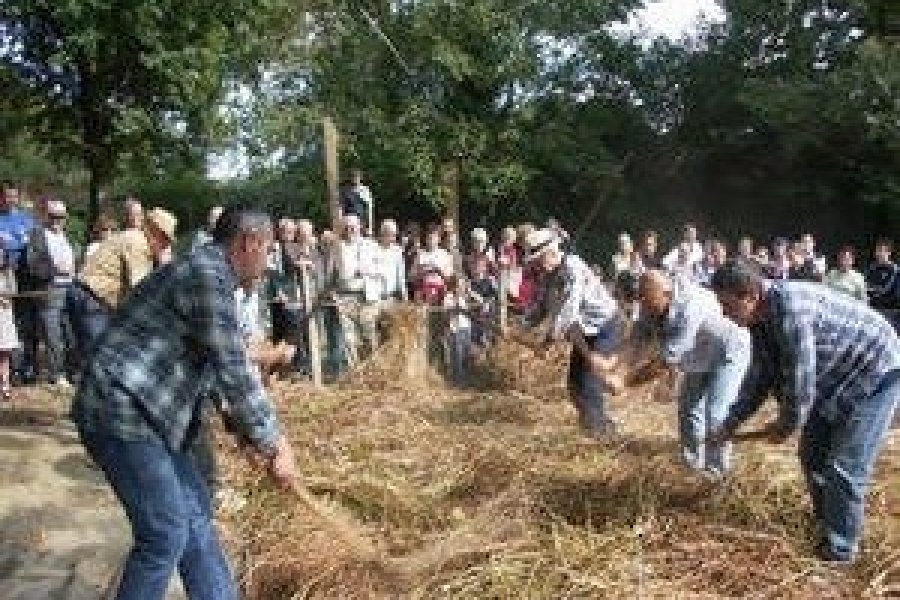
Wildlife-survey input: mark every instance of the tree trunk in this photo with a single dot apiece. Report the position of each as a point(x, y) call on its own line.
point(93, 197)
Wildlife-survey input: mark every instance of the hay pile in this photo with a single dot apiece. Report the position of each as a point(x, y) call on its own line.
point(474, 494)
point(402, 360)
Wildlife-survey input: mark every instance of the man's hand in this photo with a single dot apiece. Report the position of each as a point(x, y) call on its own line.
point(613, 382)
point(601, 364)
point(282, 467)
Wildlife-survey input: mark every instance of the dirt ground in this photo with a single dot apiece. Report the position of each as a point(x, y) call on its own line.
point(62, 533)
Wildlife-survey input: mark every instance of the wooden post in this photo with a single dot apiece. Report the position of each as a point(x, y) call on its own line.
point(330, 137)
point(312, 329)
point(450, 181)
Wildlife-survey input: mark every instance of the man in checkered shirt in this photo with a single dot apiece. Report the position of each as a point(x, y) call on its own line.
point(140, 404)
point(834, 365)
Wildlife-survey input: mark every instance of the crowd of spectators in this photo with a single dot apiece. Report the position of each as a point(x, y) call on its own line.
point(56, 297)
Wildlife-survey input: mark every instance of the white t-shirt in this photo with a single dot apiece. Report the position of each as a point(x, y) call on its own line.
point(61, 254)
point(439, 259)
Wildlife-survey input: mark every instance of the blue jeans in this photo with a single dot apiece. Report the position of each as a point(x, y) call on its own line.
point(585, 388)
point(54, 324)
point(168, 505)
point(703, 406)
point(88, 316)
point(838, 458)
point(459, 354)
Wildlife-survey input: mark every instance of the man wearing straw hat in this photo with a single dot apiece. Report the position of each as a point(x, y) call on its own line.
point(114, 269)
point(834, 365)
point(581, 310)
point(138, 408)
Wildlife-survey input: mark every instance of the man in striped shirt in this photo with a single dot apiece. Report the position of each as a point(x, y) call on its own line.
point(580, 310)
point(834, 365)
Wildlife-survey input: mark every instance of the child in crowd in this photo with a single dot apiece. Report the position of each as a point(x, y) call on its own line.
point(483, 295)
point(458, 338)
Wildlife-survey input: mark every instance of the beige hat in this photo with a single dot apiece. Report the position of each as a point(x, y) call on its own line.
point(539, 241)
point(164, 221)
point(55, 208)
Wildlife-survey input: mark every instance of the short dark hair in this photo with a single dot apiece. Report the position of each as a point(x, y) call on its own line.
point(239, 219)
point(739, 277)
point(884, 243)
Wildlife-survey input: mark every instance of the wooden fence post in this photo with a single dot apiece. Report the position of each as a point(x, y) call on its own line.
point(312, 329)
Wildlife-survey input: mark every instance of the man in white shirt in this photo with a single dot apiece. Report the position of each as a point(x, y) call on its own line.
point(580, 310)
point(391, 264)
point(51, 260)
point(688, 252)
point(358, 289)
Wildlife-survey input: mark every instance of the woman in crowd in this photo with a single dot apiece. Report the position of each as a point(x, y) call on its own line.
point(845, 278)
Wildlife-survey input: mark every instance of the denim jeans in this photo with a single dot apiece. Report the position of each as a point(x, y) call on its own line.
point(168, 506)
point(54, 327)
point(459, 354)
point(585, 388)
point(88, 316)
point(703, 406)
point(838, 458)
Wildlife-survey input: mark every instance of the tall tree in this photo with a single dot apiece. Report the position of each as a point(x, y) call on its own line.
point(108, 81)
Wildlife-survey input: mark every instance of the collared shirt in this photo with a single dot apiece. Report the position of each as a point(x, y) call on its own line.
point(675, 259)
point(357, 267)
point(201, 238)
point(175, 336)
point(820, 349)
point(696, 334)
point(117, 265)
point(583, 300)
point(392, 270)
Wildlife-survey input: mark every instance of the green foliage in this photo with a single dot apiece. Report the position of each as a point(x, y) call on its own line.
point(784, 118)
point(122, 83)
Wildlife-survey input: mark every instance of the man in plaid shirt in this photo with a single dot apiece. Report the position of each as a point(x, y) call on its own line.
point(834, 365)
point(140, 402)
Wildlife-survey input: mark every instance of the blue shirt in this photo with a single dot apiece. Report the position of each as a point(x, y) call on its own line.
point(15, 229)
point(175, 337)
point(819, 350)
point(697, 336)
